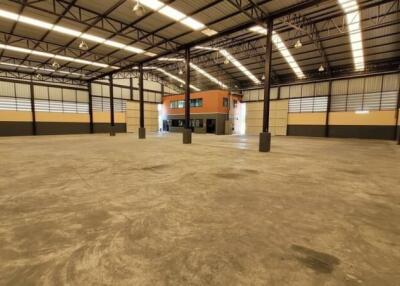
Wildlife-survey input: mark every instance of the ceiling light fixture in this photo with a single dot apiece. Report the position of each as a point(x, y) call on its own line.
point(298, 44)
point(71, 32)
point(321, 68)
point(55, 65)
point(83, 46)
point(54, 56)
point(263, 77)
point(280, 45)
point(180, 72)
point(139, 9)
point(226, 62)
point(350, 7)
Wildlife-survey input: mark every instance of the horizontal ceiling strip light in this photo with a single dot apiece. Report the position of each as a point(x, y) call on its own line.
point(54, 56)
point(43, 69)
point(71, 32)
point(170, 75)
point(234, 61)
point(207, 75)
point(350, 7)
point(178, 16)
point(196, 68)
point(280, 45)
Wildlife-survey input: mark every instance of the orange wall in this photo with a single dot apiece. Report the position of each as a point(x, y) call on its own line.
point(212, 102)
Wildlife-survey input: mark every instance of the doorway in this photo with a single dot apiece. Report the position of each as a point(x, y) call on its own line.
point(211, 125)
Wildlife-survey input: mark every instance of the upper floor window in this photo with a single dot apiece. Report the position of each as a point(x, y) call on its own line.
point(226, 102)
point(195, 102)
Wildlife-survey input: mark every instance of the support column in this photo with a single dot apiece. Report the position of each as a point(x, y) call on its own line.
point(397, 127)
point(328, 109)
point(112, 122)
point(142, 129)
point(265, 136)
point(34, 129)
point(187, 131)
point(91, 126)
point(131, 88)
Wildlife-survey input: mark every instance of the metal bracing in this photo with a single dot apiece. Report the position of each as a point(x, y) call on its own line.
point(323, 25)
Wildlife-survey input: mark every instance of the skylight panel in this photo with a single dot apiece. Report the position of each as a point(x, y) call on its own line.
point(350, 7)
point(207, 75)
point(236, 63)
point(34, 22)
point(192, 23)
point(66, 31)
point(42, 69)
point(280, 45)
point(172, 13)
point(152, 4)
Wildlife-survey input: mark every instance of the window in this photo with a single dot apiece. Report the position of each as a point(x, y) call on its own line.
point(226, 102)
point(196, 102)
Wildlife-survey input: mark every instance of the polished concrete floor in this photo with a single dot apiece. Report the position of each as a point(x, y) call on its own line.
point(100, 210)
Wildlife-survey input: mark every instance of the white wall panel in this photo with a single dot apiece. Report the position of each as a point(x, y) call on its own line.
point(285, 92)
point(373, 84)
point(7, 89)
point(96, 89)
point(69, 94)
point(339, 87)
point(23, 90)
point(322, 88)
point(391, 82)
point(82, 96)
point(55, 93)
point(356, 86)
point(295, 91)
point(307, 90)
point(41, 92)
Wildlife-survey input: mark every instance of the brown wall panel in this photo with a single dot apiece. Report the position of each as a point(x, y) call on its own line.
point(306, 130)
point(15, 128)
point(59, 128)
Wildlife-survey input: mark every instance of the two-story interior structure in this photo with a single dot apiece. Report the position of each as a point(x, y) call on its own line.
point(213, 111)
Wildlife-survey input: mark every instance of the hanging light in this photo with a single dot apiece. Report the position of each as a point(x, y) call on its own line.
point(321, 68)
point(138, 9)
point(226, 61)
point(83, 46)
point(38, 76)
point(298, 44)
point(263, 77)
point(181, 85)
point(55, 65)
point(180, 72)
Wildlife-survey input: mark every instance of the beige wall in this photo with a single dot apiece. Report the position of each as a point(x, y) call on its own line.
point(372, 118)
point(277, 118)
point(133, 113)
point(61, 117)
point(15, 116)
point(104, 117)
point(311, 118)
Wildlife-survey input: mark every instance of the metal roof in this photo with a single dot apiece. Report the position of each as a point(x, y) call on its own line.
point(319, 25)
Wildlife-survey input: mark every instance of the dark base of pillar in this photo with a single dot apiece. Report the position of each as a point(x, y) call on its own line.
point(187, 136)
point(112, 130)
point(265, 142)
point(142, 133)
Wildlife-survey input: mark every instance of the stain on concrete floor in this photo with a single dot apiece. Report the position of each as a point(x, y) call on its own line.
point(100, 210)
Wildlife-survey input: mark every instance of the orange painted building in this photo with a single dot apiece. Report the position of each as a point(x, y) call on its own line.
point(210, 111)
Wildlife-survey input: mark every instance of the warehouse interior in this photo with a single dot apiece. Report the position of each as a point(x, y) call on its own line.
point(175, 142)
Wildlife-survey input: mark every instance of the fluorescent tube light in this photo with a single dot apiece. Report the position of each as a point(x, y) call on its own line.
point(362, 112)
point(34, 22)
point(192, 23)
point(171, 60)
point(67, 31)
point(152, 4)
point(280, 45)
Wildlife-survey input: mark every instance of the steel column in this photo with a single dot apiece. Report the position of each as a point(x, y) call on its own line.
point(187, 132)
point(131, 88)
point(142, 129)
point(91, 125)
point(34, 129)
point(328, 109)
point(265, 136)
point(112, 122)
point(397, 127)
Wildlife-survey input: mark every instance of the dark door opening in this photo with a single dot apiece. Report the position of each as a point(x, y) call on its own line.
point(211, 125)
point(165, 125)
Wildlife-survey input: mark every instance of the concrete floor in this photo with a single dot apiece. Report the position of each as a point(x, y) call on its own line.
point(100, 210)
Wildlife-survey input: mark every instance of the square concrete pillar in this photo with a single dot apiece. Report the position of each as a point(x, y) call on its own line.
point(112, 130)
point(142, 133)
point(265, 142)
point(187, 136)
